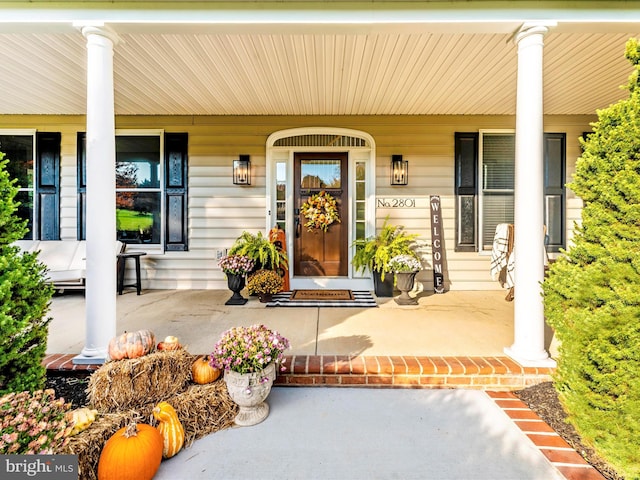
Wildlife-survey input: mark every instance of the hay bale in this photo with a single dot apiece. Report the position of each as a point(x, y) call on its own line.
point(88, 443)
point(131, 383)
point(127, 390)
point(204, 409)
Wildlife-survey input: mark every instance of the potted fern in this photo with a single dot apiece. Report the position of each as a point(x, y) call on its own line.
point(375, 253)
point(261, 250)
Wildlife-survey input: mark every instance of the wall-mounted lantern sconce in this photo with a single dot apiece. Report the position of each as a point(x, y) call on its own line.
point(242, 171)
point(399, 170)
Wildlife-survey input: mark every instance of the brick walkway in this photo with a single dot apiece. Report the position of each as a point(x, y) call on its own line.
point(498, 376)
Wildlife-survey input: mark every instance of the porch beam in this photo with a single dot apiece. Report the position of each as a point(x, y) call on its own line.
point(384, 16)
point(529, 342)
point(100, 321)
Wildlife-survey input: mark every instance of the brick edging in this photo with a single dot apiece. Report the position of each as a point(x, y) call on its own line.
point(559, 453)
point(387, 371)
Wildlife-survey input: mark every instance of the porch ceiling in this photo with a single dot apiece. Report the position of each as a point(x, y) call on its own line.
point(364, 70)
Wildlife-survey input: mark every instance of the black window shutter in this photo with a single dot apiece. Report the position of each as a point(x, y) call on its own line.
point(466, 178)
point(48, 185)
point(81, 162)
point(176, 168)
point(554, 189)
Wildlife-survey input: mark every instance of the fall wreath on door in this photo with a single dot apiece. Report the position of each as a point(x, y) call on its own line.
point(320, 210)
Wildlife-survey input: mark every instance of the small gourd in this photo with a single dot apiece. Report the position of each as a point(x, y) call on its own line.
point(132, 453)
point(170, 429)
point(81, 418)
point(132, 344)
point(170, 343)
point(202, 372)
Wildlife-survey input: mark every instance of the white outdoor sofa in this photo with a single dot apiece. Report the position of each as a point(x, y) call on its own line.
point(65, 260)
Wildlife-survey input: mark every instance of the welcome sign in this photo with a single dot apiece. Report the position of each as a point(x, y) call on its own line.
point(436, 244)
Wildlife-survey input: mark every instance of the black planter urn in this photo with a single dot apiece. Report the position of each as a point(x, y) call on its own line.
point(236, 284)
point(383, 289)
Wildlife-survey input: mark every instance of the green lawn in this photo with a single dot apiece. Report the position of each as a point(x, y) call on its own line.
point(132, 220)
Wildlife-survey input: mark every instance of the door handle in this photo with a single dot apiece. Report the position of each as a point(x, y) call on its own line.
point(297, 222)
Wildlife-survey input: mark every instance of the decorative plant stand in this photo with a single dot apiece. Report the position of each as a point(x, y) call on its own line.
point(405, 282)
point(236, 284)
point(249, 390)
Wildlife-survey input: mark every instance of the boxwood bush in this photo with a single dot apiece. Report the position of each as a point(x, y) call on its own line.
point(24, 301)
point(592, 295)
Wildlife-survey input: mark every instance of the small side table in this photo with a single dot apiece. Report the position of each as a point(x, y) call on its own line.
point(122, 261)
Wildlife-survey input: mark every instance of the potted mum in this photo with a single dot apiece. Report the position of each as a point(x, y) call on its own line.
point(264, 283)
point(250, 357)
point(405, 267)
point(236, 267)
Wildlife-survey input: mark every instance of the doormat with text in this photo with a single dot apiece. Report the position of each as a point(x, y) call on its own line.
point(298, 295)
point(361, 299)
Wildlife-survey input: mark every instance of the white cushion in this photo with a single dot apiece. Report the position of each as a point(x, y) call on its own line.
point(65, 276)
point(57, 254)
point(26, 245)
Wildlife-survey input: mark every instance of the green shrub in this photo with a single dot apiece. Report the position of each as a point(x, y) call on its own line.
point(592, 296)
point(24, 301)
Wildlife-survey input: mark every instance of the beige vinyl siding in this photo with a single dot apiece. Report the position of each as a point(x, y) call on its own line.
point(219, 211)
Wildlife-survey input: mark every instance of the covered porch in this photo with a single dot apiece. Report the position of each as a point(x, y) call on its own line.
point(201, 73)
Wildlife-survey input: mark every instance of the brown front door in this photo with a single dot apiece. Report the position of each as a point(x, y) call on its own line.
point(318, 253)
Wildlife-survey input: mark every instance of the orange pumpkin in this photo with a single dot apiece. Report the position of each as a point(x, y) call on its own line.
point(170, 428)
point(132, 453)
point(203, 373)
point(170, 343)
point(132, 344)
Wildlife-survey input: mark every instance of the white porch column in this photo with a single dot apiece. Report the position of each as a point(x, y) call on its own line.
point(529, 325)
point(100, 298)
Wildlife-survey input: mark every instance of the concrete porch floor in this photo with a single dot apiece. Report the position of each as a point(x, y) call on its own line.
point(467, 323)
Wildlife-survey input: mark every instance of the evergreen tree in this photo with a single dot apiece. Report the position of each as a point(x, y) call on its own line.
point(24, 300)
point(592, 295)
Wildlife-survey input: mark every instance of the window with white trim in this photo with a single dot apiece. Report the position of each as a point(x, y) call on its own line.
point(497, 172)
point(34, 162)
point(151, 188)
point(484, 187)
point(139, 186)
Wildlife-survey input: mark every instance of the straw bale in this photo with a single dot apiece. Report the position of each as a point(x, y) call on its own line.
point(127, 390)
point(204, 409)
point(131, 383)
point(88, 443)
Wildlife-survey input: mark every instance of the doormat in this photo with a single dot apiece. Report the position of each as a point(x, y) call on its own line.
point(298, 295)
point(361, 299)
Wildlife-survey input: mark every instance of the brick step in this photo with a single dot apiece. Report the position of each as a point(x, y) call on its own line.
point(482, 373)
